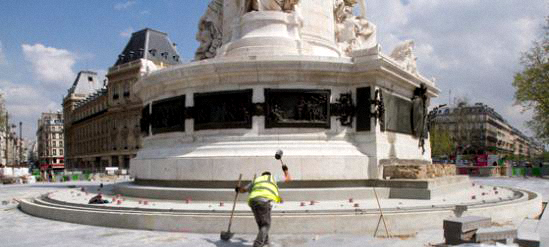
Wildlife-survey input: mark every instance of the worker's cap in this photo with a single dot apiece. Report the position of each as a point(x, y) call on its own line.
point(266, 173)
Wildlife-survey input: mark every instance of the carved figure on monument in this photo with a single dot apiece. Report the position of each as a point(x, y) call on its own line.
point(210, 31)
point(270, 5)
point(353, 32)
point(404, 55)
point(419, 115)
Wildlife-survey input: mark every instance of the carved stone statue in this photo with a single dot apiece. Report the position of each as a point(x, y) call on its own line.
point(270, 5)
point(353, 32)
point(404, 54)
point(210, 31)
point(419, 115)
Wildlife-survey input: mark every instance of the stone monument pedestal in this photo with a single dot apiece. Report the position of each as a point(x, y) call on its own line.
point(278, 81)
point(265, 33)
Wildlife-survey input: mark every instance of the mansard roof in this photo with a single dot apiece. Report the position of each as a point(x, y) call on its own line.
point(149, 44)
point(85, 83)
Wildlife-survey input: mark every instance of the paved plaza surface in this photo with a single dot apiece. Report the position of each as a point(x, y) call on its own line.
point(20, 229)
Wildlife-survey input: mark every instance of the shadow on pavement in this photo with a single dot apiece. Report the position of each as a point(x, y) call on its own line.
point(53, 186)
point(235, 242)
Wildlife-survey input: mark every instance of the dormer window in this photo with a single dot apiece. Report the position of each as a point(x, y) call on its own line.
point(176, 58)
point(164, 55)
point(152, 52)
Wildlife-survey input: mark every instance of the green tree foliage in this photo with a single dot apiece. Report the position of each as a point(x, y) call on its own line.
point(532, 85)
point(441, 142)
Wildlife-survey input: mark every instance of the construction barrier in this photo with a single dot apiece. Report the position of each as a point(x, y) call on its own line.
point(545, 170)
point(518, 171)
point(536, 171)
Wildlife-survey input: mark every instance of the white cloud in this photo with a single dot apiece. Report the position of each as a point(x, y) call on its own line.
point(50, 64)
point(527, 28)
point(145, 12)
point(25, 101)
point(127, 33)
point(517, 116)
point(121, 6)
point(472, 47)
point(101, 75)
point(3, 60)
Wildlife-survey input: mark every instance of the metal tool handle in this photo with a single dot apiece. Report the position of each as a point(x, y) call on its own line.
point(234, 203)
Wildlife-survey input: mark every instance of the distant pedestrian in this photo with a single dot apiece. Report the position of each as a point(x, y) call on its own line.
point(98, 199)
point(528, 169)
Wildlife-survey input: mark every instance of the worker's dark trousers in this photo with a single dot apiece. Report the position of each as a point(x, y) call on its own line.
point(262, 214)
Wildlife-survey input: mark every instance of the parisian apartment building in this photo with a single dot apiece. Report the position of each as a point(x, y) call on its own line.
point(50, 142)
point(479, 129)
point(102, 118)
point(12, 147)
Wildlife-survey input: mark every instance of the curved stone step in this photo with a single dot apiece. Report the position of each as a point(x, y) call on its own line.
point(400, 221)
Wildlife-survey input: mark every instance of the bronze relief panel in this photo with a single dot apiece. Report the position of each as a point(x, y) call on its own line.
point(223, 110)
point(297, 108)
point(168, 115)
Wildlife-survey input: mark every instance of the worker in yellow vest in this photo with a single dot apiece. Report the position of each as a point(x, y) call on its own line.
point(263, 192)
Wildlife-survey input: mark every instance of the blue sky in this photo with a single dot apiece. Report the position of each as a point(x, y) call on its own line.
point(86, 34)
point(471, 47)
point(96, 30)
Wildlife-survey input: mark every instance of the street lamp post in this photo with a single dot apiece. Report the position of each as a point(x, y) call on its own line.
point(20, 143)
point(7, 131)
point(13, 136)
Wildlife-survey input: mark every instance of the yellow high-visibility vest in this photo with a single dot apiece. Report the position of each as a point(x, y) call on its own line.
point(265, 187)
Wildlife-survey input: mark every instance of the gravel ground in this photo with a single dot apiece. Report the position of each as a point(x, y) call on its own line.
point(20, 229)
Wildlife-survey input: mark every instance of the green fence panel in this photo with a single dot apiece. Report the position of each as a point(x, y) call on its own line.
point(519, 171)
point(536, 171)
point(545, 170)
point(75, 177)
